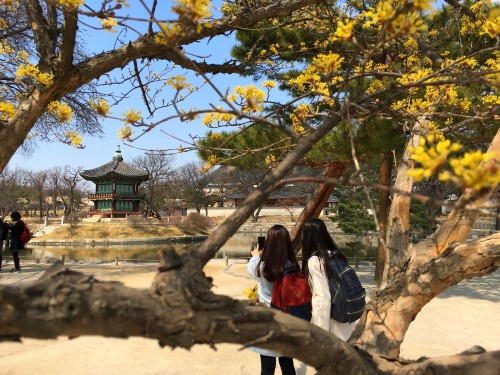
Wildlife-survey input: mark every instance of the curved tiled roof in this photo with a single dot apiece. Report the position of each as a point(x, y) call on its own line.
point(115, 168)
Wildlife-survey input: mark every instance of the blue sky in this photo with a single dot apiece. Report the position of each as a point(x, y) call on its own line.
point(99, 151)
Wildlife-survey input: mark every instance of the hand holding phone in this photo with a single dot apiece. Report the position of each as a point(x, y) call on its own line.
point(261, 240)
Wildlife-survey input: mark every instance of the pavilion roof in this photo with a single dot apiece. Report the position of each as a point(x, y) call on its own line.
point(116, 168)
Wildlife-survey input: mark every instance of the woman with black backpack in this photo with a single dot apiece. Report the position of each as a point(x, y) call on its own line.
point(317, 249)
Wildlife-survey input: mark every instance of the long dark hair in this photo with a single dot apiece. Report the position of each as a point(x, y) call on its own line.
point(277, 250)
point(317, 241)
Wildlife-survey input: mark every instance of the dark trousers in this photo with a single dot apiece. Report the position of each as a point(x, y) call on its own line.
point(268, 364)
point(15, 255)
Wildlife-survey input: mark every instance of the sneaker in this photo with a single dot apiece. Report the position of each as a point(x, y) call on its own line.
point(16, 270)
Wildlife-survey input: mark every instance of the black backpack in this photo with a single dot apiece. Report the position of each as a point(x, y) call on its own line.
point(347, 293)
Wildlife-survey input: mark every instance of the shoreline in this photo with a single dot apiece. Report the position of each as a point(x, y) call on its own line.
point(118, 241)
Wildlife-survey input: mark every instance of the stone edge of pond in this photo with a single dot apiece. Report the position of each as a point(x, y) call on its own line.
point(119, 241)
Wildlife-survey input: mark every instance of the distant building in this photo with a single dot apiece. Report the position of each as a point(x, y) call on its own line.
point(116, 187)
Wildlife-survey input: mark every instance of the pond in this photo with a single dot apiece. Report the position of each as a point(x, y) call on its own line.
point(237, 246)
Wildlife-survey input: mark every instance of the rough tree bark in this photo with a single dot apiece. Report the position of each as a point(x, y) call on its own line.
point(395, 306)
point(385, 173)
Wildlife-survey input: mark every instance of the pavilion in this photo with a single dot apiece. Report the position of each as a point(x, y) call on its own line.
point(116, 188)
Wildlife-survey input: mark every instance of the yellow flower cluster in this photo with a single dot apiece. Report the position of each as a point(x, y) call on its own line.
point(196, 10)
point(312, 78)
point(6, 48)
point(250, 98)
point(408, 24)
point(344, 29)
point(11, 5)
point(74, 138)
point(431, 155)
point(269, 84)
point(125, 133)
point(270, 159)
point(169, 34)
point(101, 106)
point(30, 70)
point(179, 83)
point(108, 24)
point(132, 116)
point(375, 86)
point(7, 110)
point(299, 116)
point(492, 25)
point(252, 293)
point(71, 3)
point(327, 64)
point(219, 117)
point(61, 111)
point(475, 170)
point(491, 99)
point(214, 137)
point(212, 161)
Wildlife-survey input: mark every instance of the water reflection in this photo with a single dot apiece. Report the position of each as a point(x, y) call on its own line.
point(237, 246)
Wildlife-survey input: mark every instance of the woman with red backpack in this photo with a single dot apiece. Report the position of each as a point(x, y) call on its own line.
point(266, 266)
point(16, 230)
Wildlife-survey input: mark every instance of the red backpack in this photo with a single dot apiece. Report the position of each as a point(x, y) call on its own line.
point(291, 294)
point(25, 237)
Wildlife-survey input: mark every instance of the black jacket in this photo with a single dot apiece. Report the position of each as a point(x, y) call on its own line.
point(15, 236)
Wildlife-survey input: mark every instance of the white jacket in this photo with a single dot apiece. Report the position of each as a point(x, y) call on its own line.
point(321, 302)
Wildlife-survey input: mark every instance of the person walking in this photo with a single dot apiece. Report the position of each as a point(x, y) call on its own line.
point(266, 266)
point(16, 229)
point(317, 247)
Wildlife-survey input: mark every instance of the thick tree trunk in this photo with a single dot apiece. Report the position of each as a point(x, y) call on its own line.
point(391, 310)
point(385, 174)
point(318, 201)
point(395, 306)
point(399, 217)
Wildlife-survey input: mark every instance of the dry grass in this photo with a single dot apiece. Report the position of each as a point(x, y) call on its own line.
point(106, 230)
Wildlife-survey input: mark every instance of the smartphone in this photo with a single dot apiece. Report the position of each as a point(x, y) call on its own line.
point(261, 240)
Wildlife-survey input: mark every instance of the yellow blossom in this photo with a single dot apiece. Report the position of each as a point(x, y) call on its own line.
point(270, 159)
point(30, 70)
point(7, 110)
point(475, 169)
point(169, 33)
point(101, 106)
point(344, 29)
point(71, 3)
point(125, 132)
point(219, 117)
point(108, 24)
point(74, 138)
point(179, 83)
point(132, 116)
point(61, 111)
point(250, 98)
point(431, 156)
point(269, 84)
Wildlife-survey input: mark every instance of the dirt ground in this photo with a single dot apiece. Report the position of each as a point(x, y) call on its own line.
point(464, 316)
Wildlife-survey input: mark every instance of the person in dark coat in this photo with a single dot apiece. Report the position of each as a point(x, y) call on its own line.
point(3, 236)
point(16, 229)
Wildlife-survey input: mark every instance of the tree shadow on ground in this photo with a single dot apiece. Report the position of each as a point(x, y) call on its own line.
point(483, 288)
